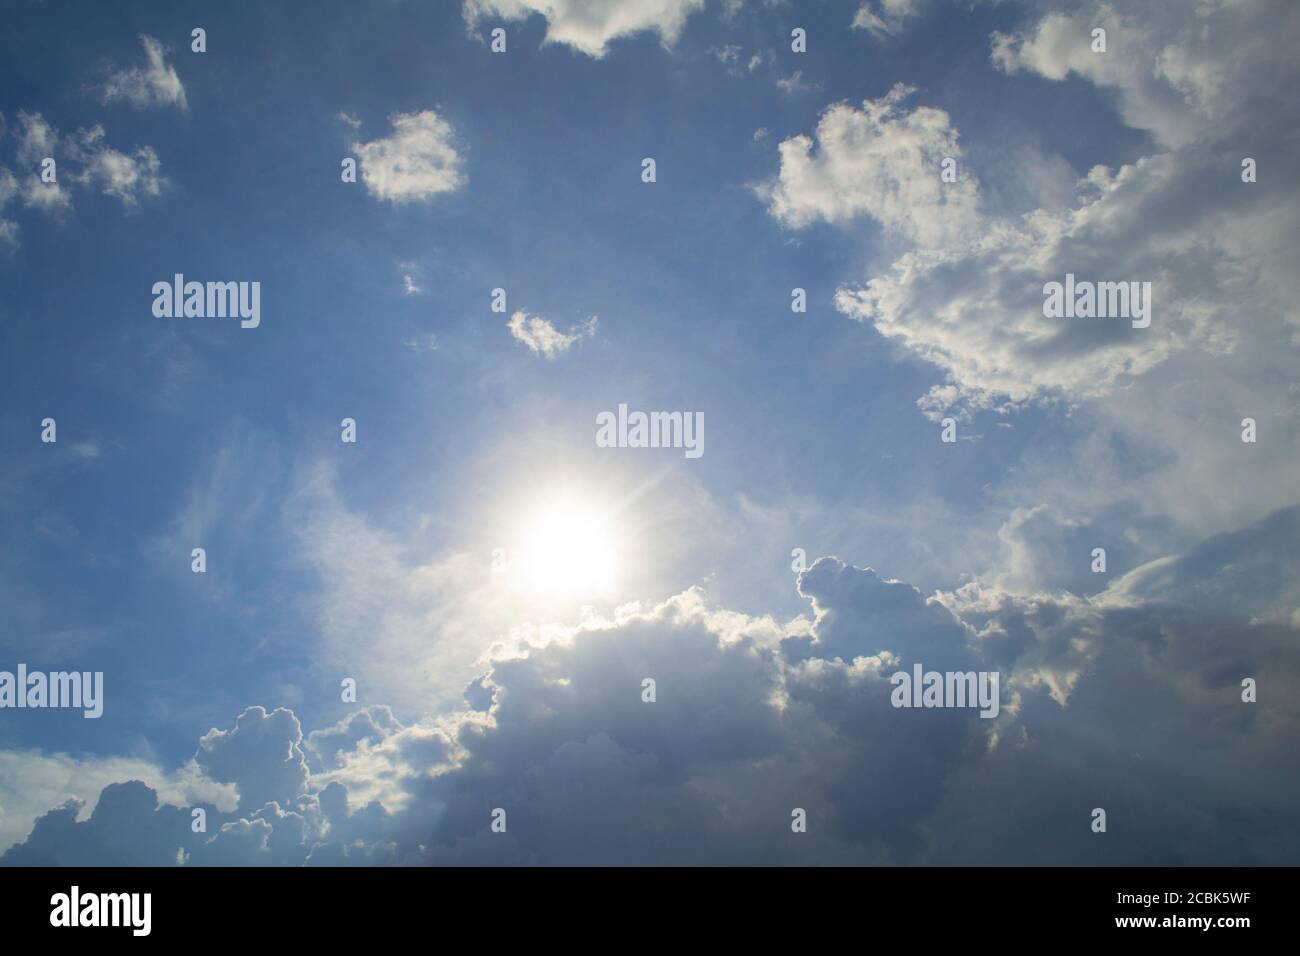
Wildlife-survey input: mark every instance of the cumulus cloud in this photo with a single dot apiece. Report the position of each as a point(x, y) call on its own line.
point(83, 159)
point(882, 161)
point(1174, 74)
point(37, 141)
point(154, 84)
point(36, 138)
point(590, 27)
point(1120, 691)
point(114, 173)
point(1152, 408)
point(966, 291)
point(31, 782)
point(418, 161)
point(753, 718)
point(543, 338)
point(261, 756)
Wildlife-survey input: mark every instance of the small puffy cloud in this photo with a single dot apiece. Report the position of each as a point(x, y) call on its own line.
point(881, 161)
point(114, 173)
point(154, 84)
point(416, 162)
point(543, 338)
point(36, 138)
point(47, 197)
point(884, 18)
point(84, 159)
point(37, 141)
point(589, 27)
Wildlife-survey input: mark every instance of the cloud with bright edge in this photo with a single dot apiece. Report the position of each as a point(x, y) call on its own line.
point(754, 717)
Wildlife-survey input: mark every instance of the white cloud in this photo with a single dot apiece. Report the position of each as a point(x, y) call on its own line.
point(1153, 408)
point(543, 338)
point(31, 782)
point(884, 18)
point(794, 83)
point(125, 177)
point(590, 27)
point(417, 162)
point(1178, 72)
point(154, 84)
point(754, 717)
point(254, 759)
point(881, 161)
point(36, 139)
point(966, 295)
point(83, 159)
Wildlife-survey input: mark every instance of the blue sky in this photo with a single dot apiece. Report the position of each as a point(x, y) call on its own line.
point(374, 560)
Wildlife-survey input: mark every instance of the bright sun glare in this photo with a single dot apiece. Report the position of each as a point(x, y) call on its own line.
point(568, 551)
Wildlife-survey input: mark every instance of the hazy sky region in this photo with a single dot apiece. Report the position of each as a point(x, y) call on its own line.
point(497, 585)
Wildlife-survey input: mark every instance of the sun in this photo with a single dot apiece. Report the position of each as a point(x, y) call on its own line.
point(567, 551)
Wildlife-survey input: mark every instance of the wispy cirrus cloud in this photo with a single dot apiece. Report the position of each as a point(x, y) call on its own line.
point(154, 84)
